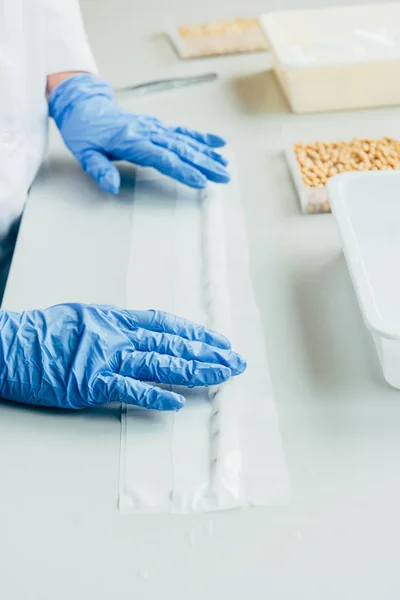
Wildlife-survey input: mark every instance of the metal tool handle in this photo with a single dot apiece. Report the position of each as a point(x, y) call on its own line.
point(161, 85)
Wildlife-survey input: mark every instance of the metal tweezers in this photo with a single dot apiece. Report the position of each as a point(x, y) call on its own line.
point(161, 85)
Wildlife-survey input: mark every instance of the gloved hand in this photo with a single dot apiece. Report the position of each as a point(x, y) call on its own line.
point(78, 356)
point(97, 130)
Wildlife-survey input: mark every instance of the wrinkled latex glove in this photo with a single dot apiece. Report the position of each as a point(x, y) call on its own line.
point(78, 356)
point(97, 131)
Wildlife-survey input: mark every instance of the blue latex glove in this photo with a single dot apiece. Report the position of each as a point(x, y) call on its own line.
point(97, 130)
point(78, 356)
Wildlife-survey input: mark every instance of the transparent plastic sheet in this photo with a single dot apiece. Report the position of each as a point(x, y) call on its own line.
point(223, 450)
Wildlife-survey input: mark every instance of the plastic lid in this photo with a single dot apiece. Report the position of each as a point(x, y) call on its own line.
point(367, 210)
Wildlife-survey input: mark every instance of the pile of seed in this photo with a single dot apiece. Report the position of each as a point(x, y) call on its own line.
point(222, 37)
point(219, 27)
point(321, 160)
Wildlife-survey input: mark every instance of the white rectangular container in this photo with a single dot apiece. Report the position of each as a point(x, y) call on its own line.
point(336, 58)
point(367, 210)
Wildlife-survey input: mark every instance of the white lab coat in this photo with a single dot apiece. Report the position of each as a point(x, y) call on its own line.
point(37, 38)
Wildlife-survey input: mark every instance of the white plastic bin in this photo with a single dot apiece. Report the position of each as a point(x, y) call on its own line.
point(367, 209)
point(336, 58)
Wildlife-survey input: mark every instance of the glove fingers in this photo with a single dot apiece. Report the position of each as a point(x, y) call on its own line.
point(159, 368)
point(212, 169)
point(219, 158)
point(146, 154)
point(211, 140)
point(195, 145)
point(116, 388)
point(102, 170)
point(163, 322)
point(145, 119)
point(173, 345)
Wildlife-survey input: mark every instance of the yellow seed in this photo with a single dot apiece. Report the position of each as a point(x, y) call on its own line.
point(321, 160)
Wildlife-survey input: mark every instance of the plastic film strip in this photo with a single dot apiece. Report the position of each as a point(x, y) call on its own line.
point(223, 450)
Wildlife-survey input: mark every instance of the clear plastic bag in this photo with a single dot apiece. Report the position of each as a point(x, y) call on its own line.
point(223, 450)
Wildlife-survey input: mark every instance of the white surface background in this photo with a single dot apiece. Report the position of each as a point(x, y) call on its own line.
point(61, 534)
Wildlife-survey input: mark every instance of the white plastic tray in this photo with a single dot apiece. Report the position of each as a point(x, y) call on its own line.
point(337, 128)
point(336, 58)
point(367, 210)
point(312, 200)
point(236, 41)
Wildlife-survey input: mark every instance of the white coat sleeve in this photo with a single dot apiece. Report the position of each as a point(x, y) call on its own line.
point(67, 47)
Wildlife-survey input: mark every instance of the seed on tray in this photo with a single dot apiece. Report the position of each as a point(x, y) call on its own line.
point(321, 160)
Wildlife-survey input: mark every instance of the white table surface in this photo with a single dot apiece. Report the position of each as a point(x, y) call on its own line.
point(61, 534)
